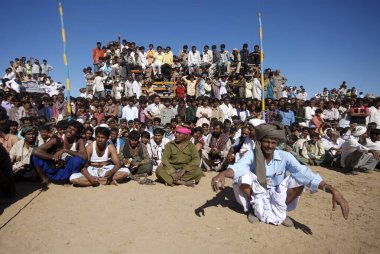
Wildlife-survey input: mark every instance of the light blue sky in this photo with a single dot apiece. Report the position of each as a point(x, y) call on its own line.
point(315, 43)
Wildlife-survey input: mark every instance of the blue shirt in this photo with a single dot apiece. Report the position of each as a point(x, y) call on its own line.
point(287, 117)
point(281, 163)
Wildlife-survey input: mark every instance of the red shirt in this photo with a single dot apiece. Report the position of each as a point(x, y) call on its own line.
point(180, 91)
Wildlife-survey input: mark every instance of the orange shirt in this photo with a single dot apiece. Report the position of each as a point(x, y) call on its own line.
point(96, 53)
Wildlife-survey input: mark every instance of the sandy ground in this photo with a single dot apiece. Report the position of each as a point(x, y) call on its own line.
point(131, 218)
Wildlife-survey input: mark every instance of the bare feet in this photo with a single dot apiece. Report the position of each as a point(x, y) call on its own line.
point(177, 175)
point(45, 182)
point(190, 183)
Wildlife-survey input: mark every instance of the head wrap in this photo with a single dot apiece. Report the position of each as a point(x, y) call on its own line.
point(275, 131)
point(358, 131)
point(28, 129)
point(183, 130)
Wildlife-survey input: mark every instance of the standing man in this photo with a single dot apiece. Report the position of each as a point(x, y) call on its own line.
point(180, 161)
point(98, 89)
point(96, 54)
point(265, 168)
point(46, 68)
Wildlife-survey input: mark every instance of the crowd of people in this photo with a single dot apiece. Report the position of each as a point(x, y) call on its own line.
point(214, 123)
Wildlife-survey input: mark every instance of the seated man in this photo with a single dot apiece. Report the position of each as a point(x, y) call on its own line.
point(313, 152)
point(104, 166)
point(180, 161)
point(61, 156)
point(333, 147)
point(22, 151)
point(266, 168)
point(134, 155)
point(356, 156)
point(156, 146)
point(217, 146)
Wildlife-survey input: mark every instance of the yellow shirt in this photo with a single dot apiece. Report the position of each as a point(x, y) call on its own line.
point(159, 57)
point(149, 56)
point(168, 58)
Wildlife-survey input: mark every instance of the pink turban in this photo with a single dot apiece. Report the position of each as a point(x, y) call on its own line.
point(183, 130)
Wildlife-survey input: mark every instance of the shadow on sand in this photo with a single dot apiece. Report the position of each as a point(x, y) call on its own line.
point(224, 198)
point(23, 189)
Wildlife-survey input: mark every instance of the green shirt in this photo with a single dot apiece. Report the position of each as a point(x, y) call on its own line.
point(175, 158)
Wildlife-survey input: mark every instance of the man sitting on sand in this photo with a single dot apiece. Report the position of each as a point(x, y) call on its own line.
point(61, 156)
point(104, 166)
point(134, 155)
point(268, 182)
point(180, 161)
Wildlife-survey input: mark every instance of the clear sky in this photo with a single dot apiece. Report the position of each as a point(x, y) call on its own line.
point(315, 43)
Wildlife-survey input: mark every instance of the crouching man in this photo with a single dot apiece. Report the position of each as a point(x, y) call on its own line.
point(269, 182)
point(180, 161)
point(104, 166)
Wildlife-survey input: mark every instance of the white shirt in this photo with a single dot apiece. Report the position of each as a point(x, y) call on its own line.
point(374, 116)
point(328, 144)
point(98, 84)
point(10, 76)
point(136, 88)
point(156, 150)
point(349, 146)
point(143, 58)
point(302, 96)
point(194, 58)
point(228, 111)
point(35, 68)
point(309, 112)
point(207, 57)
point(331, 114)
point(130, 113)
point(128, 88)
point(223, 89)
point(256, 89)
point(154, 109)
point(373, 145)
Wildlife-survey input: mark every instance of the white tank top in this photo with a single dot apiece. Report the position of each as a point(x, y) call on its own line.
point(95, 157)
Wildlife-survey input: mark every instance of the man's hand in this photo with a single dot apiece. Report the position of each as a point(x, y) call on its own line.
point(109, 176)
point(338, 199)
point(94, 181)
point(376, 154)
point(57, 155)
point(217, 182)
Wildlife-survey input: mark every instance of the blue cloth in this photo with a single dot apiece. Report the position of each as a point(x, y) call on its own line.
point(281, 163)
point(270, 90)
point(287, 117)
point(73, 165)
